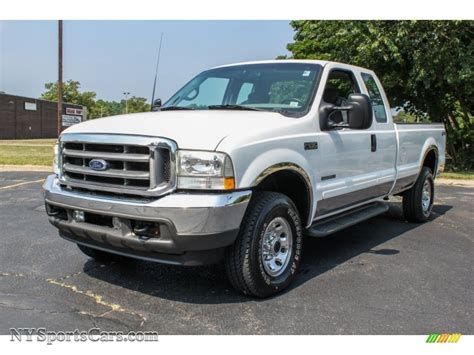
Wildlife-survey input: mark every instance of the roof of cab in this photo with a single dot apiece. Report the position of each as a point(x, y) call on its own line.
point(309, 61)
point(320, 62)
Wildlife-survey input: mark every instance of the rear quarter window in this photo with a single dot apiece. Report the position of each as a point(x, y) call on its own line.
point(375, 97)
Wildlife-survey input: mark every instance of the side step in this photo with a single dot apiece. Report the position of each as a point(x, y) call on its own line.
point(346, 219)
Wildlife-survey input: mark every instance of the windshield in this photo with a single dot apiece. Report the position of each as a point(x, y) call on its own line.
point(283, 87)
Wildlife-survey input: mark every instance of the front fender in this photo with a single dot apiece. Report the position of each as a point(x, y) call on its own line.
point(276, 160)
point(272, 161)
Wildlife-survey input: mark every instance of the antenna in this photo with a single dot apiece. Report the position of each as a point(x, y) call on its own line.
point(156, 69)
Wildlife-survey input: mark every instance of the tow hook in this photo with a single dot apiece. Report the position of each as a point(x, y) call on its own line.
point(146, 230)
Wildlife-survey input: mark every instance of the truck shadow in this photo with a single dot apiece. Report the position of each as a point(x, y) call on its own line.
point(321, 255)
point(208, 284)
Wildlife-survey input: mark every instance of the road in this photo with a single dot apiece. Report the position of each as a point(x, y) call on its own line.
point(384, 276)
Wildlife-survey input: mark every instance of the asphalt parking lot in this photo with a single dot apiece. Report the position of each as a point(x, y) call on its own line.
point(384, 276)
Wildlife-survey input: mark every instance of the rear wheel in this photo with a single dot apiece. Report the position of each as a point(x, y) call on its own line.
point(418, 201)
point(265, 256)
point(99, 255)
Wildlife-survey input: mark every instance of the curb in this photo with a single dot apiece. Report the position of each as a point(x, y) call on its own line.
point(454, 182)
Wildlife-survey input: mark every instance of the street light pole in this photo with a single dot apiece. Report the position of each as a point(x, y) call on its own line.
point(60, 74)
point(126, 93)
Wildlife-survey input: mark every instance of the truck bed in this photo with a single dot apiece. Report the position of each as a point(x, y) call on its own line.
point(411, 137)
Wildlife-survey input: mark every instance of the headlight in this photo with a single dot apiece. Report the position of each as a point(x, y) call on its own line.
point(205, 170)
point(56, 159)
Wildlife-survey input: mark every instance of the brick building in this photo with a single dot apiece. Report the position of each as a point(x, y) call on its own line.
point(23, 117)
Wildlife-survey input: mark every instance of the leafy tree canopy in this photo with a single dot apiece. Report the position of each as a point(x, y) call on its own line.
point(95, 108)
point(71, 93)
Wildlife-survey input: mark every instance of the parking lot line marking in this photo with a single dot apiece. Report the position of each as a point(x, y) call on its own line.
point(98, 299)
point(21, 183)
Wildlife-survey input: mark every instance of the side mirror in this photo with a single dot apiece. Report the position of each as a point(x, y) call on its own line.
point(359, 113)
point(156, 105)
point(359, 116)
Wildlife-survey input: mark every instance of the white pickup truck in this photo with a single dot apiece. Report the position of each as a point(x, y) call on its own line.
point(240, 164)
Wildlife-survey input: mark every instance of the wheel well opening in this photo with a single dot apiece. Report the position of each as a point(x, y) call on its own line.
point(431, 160)
point(291, 184)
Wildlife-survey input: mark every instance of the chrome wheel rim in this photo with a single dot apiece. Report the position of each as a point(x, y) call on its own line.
point(426, 196)
point(277, 244)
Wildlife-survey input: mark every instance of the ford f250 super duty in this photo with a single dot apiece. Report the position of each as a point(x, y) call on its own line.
point(240, 164)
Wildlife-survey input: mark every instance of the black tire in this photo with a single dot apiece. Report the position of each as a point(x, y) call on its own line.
point(413, 199)
point(99, 255)
point(244, 260)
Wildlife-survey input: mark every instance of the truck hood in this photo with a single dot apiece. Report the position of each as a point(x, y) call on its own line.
point(202, 129)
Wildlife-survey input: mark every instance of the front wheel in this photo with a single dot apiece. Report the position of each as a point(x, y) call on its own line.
point(265, 256)
point(418, 201)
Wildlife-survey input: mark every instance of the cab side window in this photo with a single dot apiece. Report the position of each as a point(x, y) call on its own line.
point(339, 86)
point(375, 97)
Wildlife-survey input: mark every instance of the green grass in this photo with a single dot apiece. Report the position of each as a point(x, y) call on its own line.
point(458, 175)
point(23, 142)
point(27, 152)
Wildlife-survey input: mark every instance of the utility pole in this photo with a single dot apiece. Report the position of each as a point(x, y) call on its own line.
point(60, 74)
point(126, 93)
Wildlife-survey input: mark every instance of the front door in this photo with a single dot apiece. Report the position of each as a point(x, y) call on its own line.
point(347, 174)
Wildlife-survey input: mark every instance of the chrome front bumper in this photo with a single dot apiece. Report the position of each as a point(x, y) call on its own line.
point(188, 221)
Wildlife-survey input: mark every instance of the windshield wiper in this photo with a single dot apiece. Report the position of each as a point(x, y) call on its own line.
point(175, 108)
point(233, 107)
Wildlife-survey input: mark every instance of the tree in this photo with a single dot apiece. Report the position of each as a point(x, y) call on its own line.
point(108, 108)
point(426, 67)
point(136, 104)
point(95, 108)
point(71, 94)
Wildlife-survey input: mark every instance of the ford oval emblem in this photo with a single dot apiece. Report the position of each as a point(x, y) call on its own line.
point(98, 164)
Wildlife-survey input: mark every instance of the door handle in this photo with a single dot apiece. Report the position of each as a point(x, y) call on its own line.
point(373, 143)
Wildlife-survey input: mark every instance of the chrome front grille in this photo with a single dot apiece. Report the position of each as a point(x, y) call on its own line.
point(131, 164)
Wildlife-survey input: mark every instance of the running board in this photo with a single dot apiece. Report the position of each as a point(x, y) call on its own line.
point(346, 219)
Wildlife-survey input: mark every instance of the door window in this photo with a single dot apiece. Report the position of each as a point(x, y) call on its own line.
point(339, 86)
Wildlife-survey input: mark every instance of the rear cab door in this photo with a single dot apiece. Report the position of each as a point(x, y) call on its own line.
point(383, 136)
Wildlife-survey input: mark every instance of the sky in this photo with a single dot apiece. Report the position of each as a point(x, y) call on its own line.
point(111, 57)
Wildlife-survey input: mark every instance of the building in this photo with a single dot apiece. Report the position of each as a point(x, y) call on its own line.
point(23, 117)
